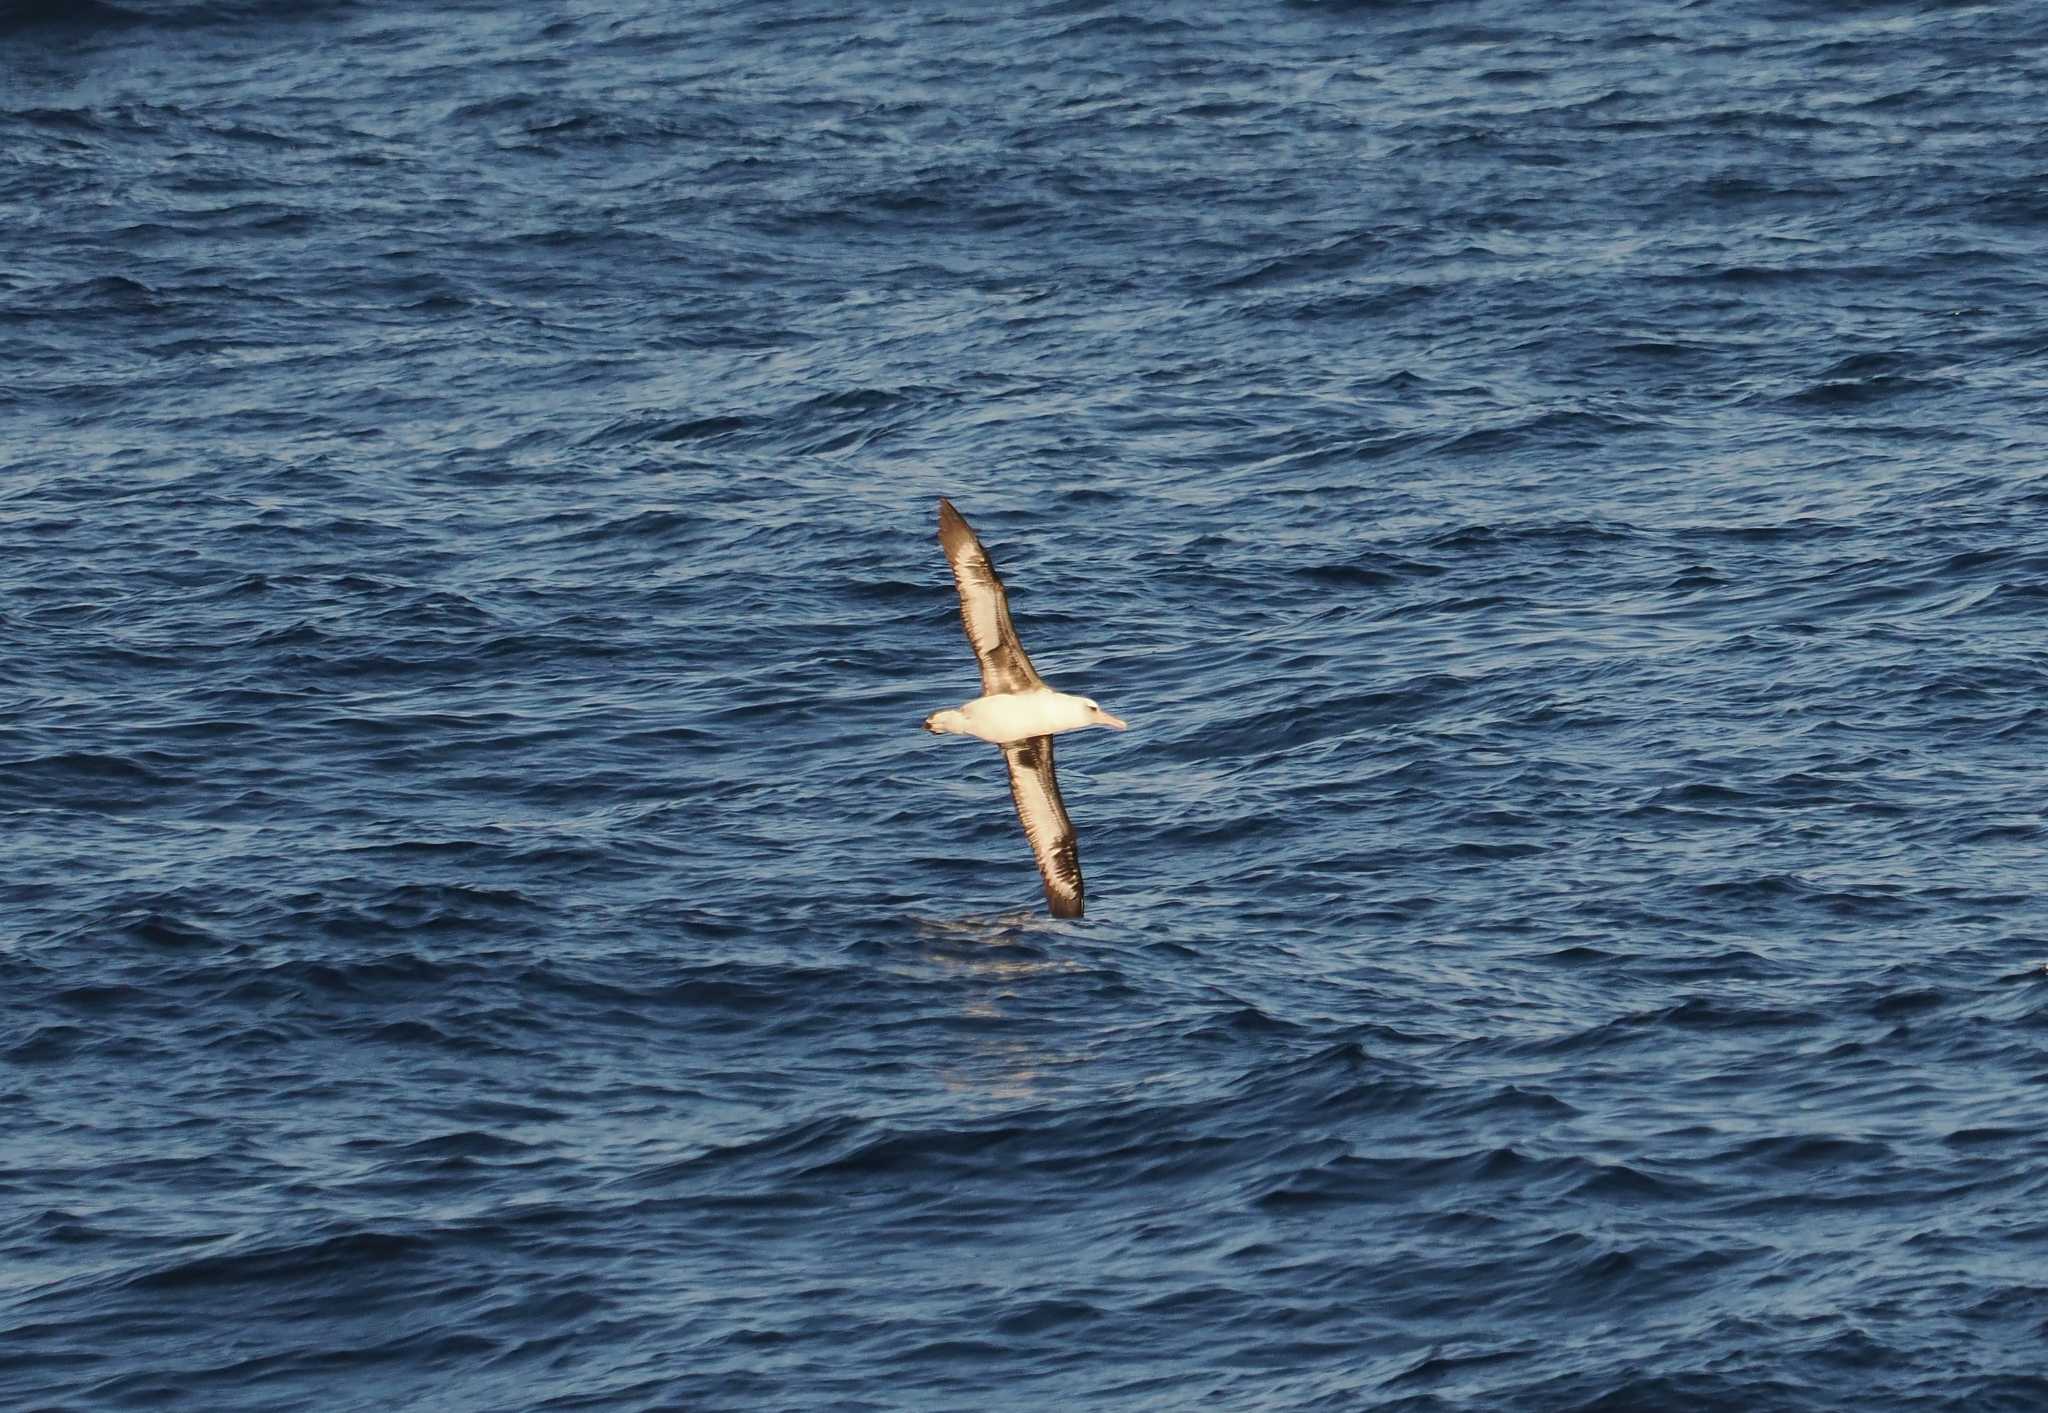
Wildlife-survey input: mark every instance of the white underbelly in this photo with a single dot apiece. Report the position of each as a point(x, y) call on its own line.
point(1013, 716)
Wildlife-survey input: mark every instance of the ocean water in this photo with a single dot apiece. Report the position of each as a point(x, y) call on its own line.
point(1560, 492)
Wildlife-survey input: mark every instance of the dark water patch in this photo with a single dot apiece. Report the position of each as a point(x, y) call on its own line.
point(65, 18)
point(470, 1144)
point(1245, 1021)
point(1844, 393)
point(286, 1264)
point(48, 1043)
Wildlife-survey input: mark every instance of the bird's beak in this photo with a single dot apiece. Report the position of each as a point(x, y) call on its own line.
point(1107, 720)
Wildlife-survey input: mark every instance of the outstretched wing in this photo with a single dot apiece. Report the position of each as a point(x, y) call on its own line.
point(1046, 825)
point(985, 611)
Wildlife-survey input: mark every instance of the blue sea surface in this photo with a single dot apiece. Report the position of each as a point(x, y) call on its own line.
point(1560, 493)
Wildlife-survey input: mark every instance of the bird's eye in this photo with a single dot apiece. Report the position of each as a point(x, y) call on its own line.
point(1090, 705)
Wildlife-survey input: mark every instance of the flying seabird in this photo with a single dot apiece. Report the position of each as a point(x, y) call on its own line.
point(1016, 710)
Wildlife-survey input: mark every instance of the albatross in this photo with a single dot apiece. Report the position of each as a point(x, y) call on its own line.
point(1016, 710)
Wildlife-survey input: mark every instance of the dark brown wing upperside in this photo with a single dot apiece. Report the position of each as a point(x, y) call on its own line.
point(984, 609)
point(1037, 793)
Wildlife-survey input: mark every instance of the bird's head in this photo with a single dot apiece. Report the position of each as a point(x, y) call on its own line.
point(1096, 716)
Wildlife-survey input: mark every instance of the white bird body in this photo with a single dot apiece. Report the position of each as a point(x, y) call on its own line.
point(1016, 711)
point(1006, 717)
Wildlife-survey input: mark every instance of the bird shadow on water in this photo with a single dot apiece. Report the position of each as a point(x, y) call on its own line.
point(996, 969)
point(1019, 928)
point(993, 947)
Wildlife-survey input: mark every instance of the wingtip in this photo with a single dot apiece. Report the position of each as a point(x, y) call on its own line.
point(953, 526)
